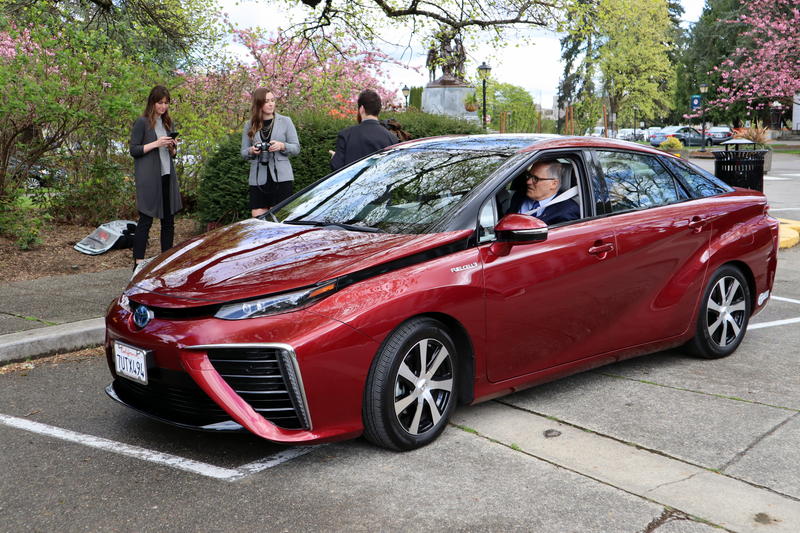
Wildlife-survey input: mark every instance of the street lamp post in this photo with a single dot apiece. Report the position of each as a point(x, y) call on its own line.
point(483, 71)
point(776, 115)
point(703, 91)
point(406, 91)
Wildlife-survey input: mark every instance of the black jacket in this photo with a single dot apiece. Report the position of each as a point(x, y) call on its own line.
point(553, 213)
point(359, 141)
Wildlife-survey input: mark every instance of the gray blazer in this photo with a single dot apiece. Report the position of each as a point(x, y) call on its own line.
point(147, 170)
point(278, 162)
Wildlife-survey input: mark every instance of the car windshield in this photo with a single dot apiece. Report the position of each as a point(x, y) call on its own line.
point(670, 129)
point(397, 191)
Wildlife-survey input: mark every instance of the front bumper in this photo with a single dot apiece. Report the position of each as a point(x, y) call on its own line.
point(218, 375)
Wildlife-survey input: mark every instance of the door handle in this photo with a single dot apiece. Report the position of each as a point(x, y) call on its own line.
point(697, 223)
point(600, 249)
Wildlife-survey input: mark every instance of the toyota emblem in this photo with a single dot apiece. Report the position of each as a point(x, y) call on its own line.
point(142, 316)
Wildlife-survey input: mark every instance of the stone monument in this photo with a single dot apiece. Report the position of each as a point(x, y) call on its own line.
point(446, 95)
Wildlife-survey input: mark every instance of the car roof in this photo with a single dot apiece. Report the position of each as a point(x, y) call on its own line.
point(511, 143)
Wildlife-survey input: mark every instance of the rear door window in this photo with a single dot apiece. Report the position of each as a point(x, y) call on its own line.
point(699, 182)
point(636, 181)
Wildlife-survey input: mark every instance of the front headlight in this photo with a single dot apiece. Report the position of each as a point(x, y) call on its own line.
point(272, 305)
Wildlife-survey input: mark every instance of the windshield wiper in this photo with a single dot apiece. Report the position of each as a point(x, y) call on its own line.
point(322, 224)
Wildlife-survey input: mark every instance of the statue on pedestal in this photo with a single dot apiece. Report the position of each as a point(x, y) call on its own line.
point(450, 56)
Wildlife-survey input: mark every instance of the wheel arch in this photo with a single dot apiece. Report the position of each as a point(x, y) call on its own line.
point(747, 272)
point(466, 359)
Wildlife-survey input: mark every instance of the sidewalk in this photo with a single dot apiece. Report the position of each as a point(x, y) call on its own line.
point(56, 314)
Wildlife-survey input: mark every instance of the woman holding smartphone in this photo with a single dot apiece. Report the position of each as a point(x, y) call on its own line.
point(153, 147)
point(268, 139)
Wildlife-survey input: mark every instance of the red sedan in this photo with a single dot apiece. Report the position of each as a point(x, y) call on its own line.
point(377, 299)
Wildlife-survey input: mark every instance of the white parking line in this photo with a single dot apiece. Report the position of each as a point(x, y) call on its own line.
point(782, 299)
point(774, 323)
point(164, 459)
point(776, 178)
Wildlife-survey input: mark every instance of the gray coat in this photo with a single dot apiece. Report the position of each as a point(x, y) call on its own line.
point(147, 170)
point(279, 166)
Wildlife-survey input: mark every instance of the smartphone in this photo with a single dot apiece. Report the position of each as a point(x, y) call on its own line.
point(173, 134)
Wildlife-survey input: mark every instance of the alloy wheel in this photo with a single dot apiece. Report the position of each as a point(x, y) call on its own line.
point(726, 311)
point(423, 386)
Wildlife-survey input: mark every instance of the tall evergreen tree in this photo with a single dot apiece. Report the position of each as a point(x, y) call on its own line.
point(712, 39)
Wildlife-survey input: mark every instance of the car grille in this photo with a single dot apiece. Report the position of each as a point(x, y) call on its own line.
point(180, 313)
point(171, 395)
point(266, 379)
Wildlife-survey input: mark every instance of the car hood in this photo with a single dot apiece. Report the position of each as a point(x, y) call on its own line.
point(254, 257)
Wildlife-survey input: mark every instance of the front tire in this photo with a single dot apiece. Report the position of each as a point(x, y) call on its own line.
point(411, 388)
point(724, 315)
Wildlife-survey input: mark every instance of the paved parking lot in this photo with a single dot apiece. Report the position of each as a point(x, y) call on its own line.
point(664, 443)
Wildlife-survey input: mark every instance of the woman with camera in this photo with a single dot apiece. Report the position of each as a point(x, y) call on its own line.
point(153, 147)
point(268, 140)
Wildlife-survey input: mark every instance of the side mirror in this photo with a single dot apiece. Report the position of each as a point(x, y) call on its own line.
point(520, 229)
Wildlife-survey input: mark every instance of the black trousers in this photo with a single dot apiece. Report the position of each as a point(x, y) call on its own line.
point(145, 221)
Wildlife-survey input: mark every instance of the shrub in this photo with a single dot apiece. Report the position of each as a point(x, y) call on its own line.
point(758, 135)
point(317, 135)
point(672, 144)
point(99, 192)
point(421, 125)
point(222, 195)
point(223, 192)
point(20, 221)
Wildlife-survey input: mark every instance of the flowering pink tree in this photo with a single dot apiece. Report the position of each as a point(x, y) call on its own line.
point(310, 75)
point(768, 68)
point(304, 75)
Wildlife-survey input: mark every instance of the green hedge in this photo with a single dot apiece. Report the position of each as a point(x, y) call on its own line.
point(223, 192)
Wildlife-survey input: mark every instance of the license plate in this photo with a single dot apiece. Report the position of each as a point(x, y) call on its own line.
point(130, 362)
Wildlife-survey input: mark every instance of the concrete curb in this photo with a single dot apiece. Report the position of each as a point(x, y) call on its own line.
point(788, 233)
point(45, 341)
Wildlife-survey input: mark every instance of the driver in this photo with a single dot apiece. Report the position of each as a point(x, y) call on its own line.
point(539, 198)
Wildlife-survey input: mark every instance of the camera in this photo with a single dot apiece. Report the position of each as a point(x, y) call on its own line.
point(263, 156)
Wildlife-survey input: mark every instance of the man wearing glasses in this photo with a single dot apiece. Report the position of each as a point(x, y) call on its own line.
point(540, 198)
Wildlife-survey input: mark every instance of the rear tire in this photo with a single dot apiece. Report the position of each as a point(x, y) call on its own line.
point(411, 388)
point(724, 315)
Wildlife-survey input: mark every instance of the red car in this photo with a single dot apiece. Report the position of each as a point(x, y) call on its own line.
point(377, 299)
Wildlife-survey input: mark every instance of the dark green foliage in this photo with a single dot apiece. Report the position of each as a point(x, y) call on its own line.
point(421, 125)
point(415, 98)
point(711, 40)
point(317, 133)
point(100, 192)
point(223, 183)
point(21, 221)
point(223, 192)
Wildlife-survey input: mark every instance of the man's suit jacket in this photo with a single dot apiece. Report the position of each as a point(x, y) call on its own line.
point(359, 141)
point(553, 213)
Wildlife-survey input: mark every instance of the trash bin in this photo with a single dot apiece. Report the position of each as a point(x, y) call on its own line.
point(740, 167)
